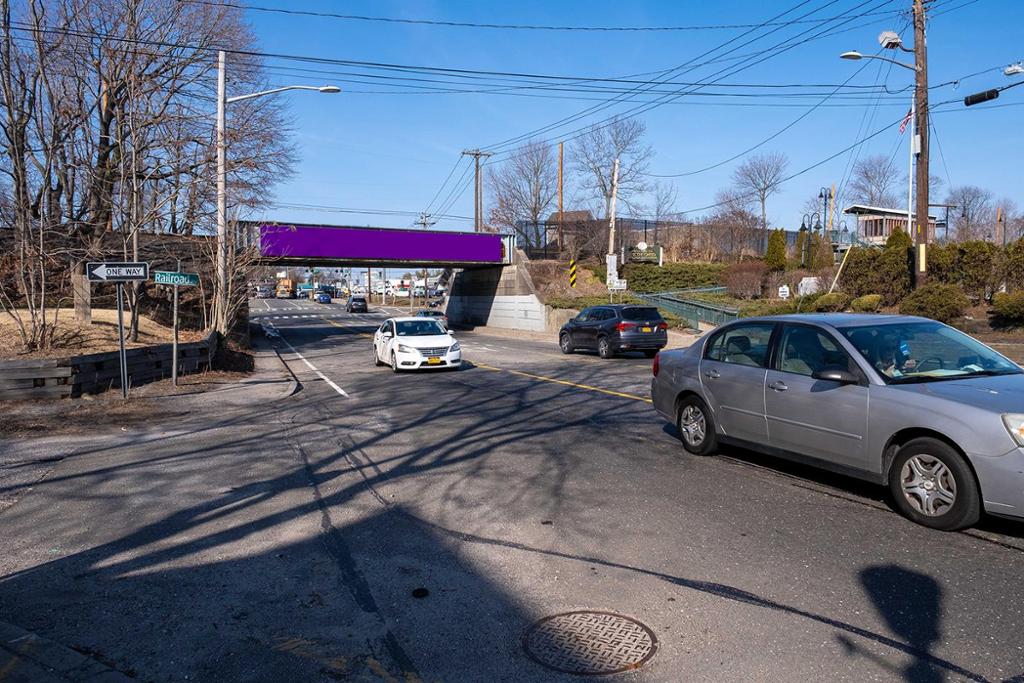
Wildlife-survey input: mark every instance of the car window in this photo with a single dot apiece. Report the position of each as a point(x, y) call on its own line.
point(601, 314)
point(641, 313)
point(584, 315)
point(385, 328)
point(742, 345)
point(805, 351)
point(925, 351)
point(419, 328)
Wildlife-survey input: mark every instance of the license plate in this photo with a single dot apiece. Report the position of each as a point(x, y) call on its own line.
point(433, 361)
point(645, 329)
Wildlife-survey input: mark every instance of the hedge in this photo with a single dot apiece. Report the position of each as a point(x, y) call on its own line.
point(944, 303)
point(832, 303)
point(869, 303)
point(647, 277)
point(1009, 307)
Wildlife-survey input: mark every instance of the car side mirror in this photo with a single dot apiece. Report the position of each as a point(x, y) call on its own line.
point(836, 375)
point(386, 335)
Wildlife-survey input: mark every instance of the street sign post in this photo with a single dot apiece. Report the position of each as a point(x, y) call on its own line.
point(119, 273)
point(175, 279)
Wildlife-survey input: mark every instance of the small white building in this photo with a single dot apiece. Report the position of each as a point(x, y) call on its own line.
point(875, 224)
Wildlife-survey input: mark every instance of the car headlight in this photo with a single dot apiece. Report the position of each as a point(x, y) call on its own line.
point(402, 348)
point(455, 347)
point(1014, 423)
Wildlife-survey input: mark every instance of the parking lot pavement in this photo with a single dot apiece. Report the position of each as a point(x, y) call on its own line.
point(418, 526)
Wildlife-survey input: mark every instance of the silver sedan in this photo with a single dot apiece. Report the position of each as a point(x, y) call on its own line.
point(906, 402)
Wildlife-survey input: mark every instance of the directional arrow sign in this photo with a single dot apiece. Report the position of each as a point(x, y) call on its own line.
point(117, 272)
point(163, 277)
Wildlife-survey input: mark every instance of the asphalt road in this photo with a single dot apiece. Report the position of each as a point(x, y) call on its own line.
point(413, 526)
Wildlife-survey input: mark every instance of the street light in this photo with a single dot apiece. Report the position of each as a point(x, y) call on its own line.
point(810, 221)
point(854, 55)
point(221, 317)
point(825, 195)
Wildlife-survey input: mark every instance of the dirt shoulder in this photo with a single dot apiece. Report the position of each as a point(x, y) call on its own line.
point(72, 338)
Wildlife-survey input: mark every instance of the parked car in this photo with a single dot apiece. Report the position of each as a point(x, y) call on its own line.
point(356, 304)
point(897, 400)
point(614, 328)
point(322, 297)
point(265, 292)
point(415, 343)
point(439, 316)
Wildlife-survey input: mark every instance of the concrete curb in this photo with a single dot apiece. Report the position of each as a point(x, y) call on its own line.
point(26, 656)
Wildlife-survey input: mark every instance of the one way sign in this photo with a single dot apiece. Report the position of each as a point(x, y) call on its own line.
point(117, 272)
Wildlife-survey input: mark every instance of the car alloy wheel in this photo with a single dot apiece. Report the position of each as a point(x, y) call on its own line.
point(928, 485)
point(376, 357)
point(604, 348)
point(933, 485)
point(565, 342)
point(696, 427)
point(394, 362)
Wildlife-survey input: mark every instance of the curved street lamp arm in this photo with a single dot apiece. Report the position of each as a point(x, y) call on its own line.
point(239, 98)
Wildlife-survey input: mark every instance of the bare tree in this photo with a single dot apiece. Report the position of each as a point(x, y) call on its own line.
point(524, 188)
point(593, 155)
point(733, 228)
point(875, 182)
point(761, 177)
point(972, 216)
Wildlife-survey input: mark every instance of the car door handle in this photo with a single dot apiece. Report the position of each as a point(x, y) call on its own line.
point(712, 374)
point(778, 385)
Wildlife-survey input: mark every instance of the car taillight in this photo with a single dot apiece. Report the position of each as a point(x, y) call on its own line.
point(655, 366)
point(622, 327)
point(662, 326)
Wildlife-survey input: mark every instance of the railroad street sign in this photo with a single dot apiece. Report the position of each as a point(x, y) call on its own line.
point(117, 272)
point(163, 277)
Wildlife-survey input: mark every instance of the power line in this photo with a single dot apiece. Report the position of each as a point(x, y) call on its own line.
point(516, 27)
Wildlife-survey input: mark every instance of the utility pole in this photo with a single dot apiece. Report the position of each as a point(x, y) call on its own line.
point(561, 236)
point(220, 304)
point(611, 218)
point(921, 235)
point(478, 193)
point(424, 221)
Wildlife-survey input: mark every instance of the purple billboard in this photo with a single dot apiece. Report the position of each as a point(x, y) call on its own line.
point(327, 243)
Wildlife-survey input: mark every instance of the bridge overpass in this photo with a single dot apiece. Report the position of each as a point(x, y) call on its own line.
point(490, 286)
point(345, 245)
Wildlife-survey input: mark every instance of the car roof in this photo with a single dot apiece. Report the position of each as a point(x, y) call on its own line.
point(619, 307)
point(841, 319)
point(408, 319)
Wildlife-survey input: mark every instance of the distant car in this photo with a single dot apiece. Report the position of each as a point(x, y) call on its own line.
point(439, 316)
point(896, 400)
point(323, 298)
point(264, 292)
point(615, 328)
point(356, 304)
point(415, 343)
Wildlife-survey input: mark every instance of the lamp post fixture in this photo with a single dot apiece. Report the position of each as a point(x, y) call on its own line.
point(221, 303)
point(809, 222)
point(890, 40)
point(825, 195)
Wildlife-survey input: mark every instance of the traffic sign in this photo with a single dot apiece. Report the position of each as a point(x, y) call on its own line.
point(163, 277)
point(117, 272)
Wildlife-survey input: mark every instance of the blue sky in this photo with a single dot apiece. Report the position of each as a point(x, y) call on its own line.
point(393, 151)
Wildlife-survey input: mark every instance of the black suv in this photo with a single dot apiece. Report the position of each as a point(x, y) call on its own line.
point(356, 304)
point(613, 328)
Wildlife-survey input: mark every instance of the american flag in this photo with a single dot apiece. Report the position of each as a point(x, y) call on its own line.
point(906, 121)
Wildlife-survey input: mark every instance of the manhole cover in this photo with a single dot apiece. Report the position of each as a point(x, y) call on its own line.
point(590, 643)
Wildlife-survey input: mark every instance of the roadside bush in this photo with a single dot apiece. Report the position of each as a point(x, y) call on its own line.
point(976, 268)
point(775, 256)
point(648, 277)
point(744, 280)
point(1009, 307)
point(859, 273)
point(1013, 265)
point(869, 303)
point(942, 263)
point(892, 275)
point(944, 303)
point(832, 303)
point(898, 239)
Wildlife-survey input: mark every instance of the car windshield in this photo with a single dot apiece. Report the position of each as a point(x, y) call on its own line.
point(418, 328)
point(641, 313)
point(908, 353)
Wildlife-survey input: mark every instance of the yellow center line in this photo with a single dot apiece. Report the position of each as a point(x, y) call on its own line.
point(585, 387)
point(345, 327)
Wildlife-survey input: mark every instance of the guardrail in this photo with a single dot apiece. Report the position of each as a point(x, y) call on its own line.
point(682, 304)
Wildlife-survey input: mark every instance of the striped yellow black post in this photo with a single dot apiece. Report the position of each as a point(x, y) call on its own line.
point(572, 273)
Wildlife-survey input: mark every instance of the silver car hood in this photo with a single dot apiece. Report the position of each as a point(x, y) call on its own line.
point(1000, 394)
point(431, 342)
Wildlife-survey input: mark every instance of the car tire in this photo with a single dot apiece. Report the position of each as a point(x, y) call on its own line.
point(696, 426)
point(931, 484)
point(650, 353)
point(604, 348)
point(394, 363)
point(376, 358)
point(565, 343)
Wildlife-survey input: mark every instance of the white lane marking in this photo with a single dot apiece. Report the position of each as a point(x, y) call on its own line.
point(314, 369)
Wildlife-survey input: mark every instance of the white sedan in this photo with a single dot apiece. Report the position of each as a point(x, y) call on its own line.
point(415, 343)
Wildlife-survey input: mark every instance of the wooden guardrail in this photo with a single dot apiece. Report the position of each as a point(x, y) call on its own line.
point(97, 372)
